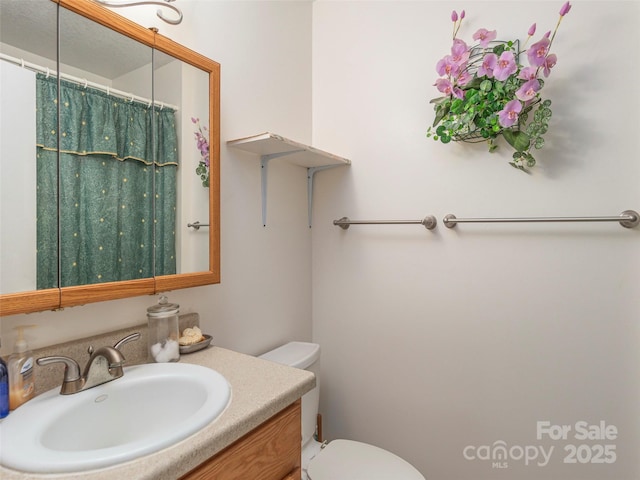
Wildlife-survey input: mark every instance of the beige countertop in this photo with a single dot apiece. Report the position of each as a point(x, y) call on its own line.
point(259, 389)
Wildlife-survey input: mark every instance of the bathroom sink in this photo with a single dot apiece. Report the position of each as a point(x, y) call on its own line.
point(151, 407)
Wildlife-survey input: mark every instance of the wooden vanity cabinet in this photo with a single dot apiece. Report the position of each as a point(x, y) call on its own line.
point(272, 451)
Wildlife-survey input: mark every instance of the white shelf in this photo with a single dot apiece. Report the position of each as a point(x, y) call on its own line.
point(269, 146)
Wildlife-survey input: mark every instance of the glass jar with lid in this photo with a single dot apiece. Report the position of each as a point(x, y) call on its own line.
point(164, 331)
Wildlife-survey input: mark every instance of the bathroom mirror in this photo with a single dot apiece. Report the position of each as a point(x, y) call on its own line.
point(137, 66)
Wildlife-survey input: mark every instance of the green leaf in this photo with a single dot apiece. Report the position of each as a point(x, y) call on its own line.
point(439, 100)
point(457, 105)
point(473, 84)
point(441, 112)
point(530, 160)
point(473, 98)
point(486, 85)
point(520, 141)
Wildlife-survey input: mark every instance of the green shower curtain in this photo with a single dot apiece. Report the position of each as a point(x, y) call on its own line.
point(110, 205)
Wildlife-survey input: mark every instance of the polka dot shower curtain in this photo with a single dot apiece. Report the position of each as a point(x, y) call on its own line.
point(113, 196)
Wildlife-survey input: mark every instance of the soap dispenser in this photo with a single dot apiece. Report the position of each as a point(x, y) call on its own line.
point(21, 378)
point(4, 389)
point(164, 331)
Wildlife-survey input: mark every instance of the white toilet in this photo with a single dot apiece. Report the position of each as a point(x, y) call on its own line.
point(339, 459)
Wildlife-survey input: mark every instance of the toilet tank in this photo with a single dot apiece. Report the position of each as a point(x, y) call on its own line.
point(305, 356)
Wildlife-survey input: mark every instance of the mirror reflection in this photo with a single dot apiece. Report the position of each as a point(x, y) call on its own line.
point(22, 55)
point(108, 139)
point(131, 172)
point(182, 84)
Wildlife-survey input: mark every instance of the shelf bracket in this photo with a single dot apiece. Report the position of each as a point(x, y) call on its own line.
point(264, 162)
point(311, 171)
point(269, 146)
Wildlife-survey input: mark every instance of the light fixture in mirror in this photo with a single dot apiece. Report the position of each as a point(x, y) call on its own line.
point(199, 99)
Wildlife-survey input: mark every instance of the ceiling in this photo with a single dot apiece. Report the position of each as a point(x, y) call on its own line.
point(31, 25)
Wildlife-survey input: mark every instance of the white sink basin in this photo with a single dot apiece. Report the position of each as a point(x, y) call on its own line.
point(151, 407)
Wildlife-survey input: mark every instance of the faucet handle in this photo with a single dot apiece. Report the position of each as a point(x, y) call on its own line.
point(72, 382)
point(71, 367)
point(127, 339)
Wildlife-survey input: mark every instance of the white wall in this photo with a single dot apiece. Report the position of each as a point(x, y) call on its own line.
point(433, 341)
point(264, 299)
point(17, 178)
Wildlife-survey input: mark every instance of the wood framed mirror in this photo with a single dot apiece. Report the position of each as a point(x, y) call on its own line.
point(197, 250)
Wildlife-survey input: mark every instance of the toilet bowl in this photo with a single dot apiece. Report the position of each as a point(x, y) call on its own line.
point(339, 459)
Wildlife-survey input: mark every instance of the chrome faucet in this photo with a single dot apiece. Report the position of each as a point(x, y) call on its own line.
point(104, 365)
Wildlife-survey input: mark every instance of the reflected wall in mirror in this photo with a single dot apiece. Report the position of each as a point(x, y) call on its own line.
point(181, 84)
point(122, 233)
point(18, 139)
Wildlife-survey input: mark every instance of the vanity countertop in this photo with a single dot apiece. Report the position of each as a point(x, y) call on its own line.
point(259, 389)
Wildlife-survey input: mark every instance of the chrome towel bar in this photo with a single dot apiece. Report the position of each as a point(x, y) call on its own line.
point(429, 222)
point(628, 219)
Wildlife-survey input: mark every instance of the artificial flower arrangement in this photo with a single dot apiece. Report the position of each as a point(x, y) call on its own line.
point(202, 142)
point(489, 92)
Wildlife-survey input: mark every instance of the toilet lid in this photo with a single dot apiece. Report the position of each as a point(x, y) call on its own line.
point(349, 460)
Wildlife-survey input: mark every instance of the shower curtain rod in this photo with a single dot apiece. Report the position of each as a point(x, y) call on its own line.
point(84, 82)
point(628, 219)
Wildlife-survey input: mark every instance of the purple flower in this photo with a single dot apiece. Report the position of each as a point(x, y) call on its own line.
point(505, 66)
point(565, 9)
point(538, 52)
point(459, 51)
point(447, 66)
point(528, 90)
point(484, 36)
point(464, 78)
point(461, 14)
point(489, 63)
point(549, 63)
point(532, 30)
point(446, 87)
point(527, 73)
point(459, 48)
point(509, 114)
point(454, 16)
point(202, 143)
